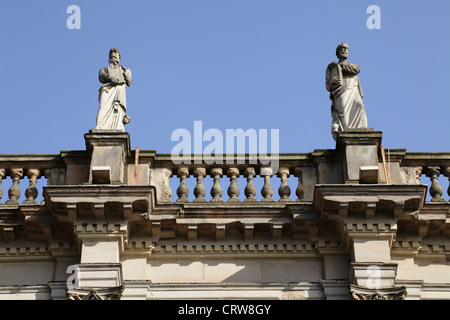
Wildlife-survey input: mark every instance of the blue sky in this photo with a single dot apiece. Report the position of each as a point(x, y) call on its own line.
point(231, 64)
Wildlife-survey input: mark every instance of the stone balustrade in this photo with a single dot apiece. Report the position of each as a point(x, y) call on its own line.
point(235, 183)
point(431, 168)
point(110, 208)
point(22, 176)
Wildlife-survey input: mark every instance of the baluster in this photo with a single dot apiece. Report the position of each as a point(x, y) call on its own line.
point(31, 193)
point(14, 191)
point(435, 188)
point(183, 190)
point(233, 190)
point(250, 190)
point(299, 191)
point(199, 190)
point(266, 191)
point(167, 189)
point(2, 175)
point(284, 191)
point(447, 174)
point(216, 190)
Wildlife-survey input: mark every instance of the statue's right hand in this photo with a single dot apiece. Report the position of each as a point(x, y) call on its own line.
point(113, 80)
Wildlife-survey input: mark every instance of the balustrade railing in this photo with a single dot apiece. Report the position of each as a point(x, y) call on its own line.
point(243, 181)
point(431, 168)
point(24, 175)
point(239, 182)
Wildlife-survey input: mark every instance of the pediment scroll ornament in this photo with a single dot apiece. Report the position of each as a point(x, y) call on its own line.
point(362, 293)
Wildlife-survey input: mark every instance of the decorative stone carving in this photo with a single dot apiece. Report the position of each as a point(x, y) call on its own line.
point(216, 190)
point(183, 190)
point(112, 97)
point(199, 190)
point(418, 173)
point(114, 293)
point(167, 189)
point(347, 108)
point(2, 175)
point(299, 191)
point(435, 189)
point(233, 190)
point(267, 190)
point(284, 191)
point(362, 293)
point(447, 174)
point(250, 190)
point(14, 191)
point(31, 193)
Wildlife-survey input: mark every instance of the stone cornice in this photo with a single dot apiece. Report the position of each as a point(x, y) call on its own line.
point(214, 251)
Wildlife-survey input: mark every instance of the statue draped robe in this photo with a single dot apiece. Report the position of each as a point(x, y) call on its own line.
point(347, 108)
point(112, 98)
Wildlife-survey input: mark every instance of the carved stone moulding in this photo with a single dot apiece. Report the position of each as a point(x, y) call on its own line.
point(345, 199)
point(363, 293)
point(114, 293)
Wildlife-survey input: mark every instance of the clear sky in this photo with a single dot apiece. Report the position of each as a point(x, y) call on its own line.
point(231, 64)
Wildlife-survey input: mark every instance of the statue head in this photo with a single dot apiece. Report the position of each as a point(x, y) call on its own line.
point(114, 56)
point(342, 51)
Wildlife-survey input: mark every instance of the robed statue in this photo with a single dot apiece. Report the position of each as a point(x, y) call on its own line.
point(347, 108)
point(112, 96)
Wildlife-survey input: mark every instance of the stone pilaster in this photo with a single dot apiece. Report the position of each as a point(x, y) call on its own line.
point(101, 230)
point(366, 219)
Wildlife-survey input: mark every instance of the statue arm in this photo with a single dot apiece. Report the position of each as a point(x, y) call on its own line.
point(350, 68)
point(328, 79)
point(103, 76)
point(332, 83)
point(127, 76)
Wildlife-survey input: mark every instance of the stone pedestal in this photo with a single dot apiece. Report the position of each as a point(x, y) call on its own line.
point(108, 151)
point(359, 149)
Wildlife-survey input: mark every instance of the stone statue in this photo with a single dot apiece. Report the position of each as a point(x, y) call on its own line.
point(112, 98)
point(347, 108)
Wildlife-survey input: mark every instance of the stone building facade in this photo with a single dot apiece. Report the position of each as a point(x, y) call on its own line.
point(117, 223)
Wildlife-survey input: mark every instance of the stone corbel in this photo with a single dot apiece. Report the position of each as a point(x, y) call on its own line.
point(374, 281)
point(362, 293)
point(114, 293)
